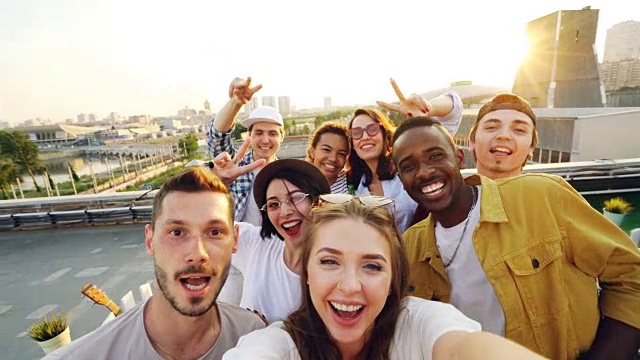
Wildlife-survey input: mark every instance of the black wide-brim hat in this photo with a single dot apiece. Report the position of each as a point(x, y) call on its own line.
point(271, 171)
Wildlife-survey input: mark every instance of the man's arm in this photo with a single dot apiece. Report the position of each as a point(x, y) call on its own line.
point(225, 118)
point(219, 130)
point(240, 92)
point(601, 249)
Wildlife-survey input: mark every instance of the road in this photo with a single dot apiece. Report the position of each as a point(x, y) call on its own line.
point(45, 270)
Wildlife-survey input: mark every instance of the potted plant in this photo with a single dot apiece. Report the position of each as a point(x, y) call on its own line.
point(615, 209)
point(51, 332)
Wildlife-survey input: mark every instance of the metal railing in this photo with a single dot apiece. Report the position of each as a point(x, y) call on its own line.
point(74, 210)
point(589, 177)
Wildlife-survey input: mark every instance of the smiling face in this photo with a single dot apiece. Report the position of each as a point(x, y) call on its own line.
point(349, 278)
point(266, 138)
point(502, 143)
point(330, 155)
point(429, 167)
point(191, 243)
point(290, 221)
point(367, 147)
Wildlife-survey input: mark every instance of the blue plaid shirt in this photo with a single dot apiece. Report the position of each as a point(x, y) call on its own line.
point(240, 189)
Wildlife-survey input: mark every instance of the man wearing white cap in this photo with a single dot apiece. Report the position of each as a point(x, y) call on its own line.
point(266, 131)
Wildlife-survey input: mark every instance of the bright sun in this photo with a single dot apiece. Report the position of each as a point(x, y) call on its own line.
point(500, 63)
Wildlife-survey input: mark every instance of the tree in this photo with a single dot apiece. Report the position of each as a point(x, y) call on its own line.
point(395, 117)
point(237, 132)
point(287, 126)
point(22, 151)
point(306, 130)
point(189, 144)
point(74, 175)
point(8, 174)
point(52, 185)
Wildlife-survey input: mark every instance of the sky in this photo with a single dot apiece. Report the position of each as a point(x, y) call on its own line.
point(60, 58)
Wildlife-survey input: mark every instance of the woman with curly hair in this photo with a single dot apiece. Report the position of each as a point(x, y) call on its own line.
point(328, 149)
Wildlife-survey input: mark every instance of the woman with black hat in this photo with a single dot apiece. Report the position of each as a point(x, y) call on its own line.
point(270, 256)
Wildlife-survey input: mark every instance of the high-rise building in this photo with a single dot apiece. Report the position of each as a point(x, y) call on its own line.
point(269, 101)
point(327, 102)
point(619, 74)
point(623, 42)
point(620, 70)
point(284, 105)
point(251, 105)
point(91, 118)
point(114, 117)
point(140, 119)
point(561, 69)
point(207, 108)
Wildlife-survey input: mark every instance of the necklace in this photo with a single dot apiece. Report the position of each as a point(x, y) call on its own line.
point(165, 351)
point(464, 229)
point(173, 357)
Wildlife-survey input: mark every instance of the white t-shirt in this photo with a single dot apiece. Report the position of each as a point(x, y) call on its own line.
point(471, 291)
point(231, 291)
point(268, 286)
point(419, 325)
point(126, 338)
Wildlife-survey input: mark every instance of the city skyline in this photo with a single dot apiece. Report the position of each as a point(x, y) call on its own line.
point(72, 57)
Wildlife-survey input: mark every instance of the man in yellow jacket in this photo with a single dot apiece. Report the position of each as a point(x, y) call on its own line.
point(522, 255)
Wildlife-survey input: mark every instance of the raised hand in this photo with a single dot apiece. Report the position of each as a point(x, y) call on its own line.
point(241, 90)
point(414, 105)
point(227, 169)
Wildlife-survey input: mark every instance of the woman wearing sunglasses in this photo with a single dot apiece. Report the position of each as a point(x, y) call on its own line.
point(370, 169)
point(354, 305)
point(328, 149)
point(270, 256)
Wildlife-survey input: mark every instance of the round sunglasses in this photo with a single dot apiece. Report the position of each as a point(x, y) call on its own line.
point(372, 130)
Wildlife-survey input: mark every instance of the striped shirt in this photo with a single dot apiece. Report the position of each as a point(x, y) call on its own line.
point(340, 185)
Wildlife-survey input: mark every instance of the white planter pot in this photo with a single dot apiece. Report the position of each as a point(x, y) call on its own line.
point(59, 341)
point(615, 218)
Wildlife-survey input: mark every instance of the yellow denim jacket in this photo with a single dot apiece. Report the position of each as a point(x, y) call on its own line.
point(542, 247)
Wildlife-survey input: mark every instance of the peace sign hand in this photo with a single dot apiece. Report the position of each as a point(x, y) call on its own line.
point(227, 169)
point(414, 105)
point(241, 91)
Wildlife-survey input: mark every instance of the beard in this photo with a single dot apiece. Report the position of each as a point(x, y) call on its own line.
point(195, 307)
